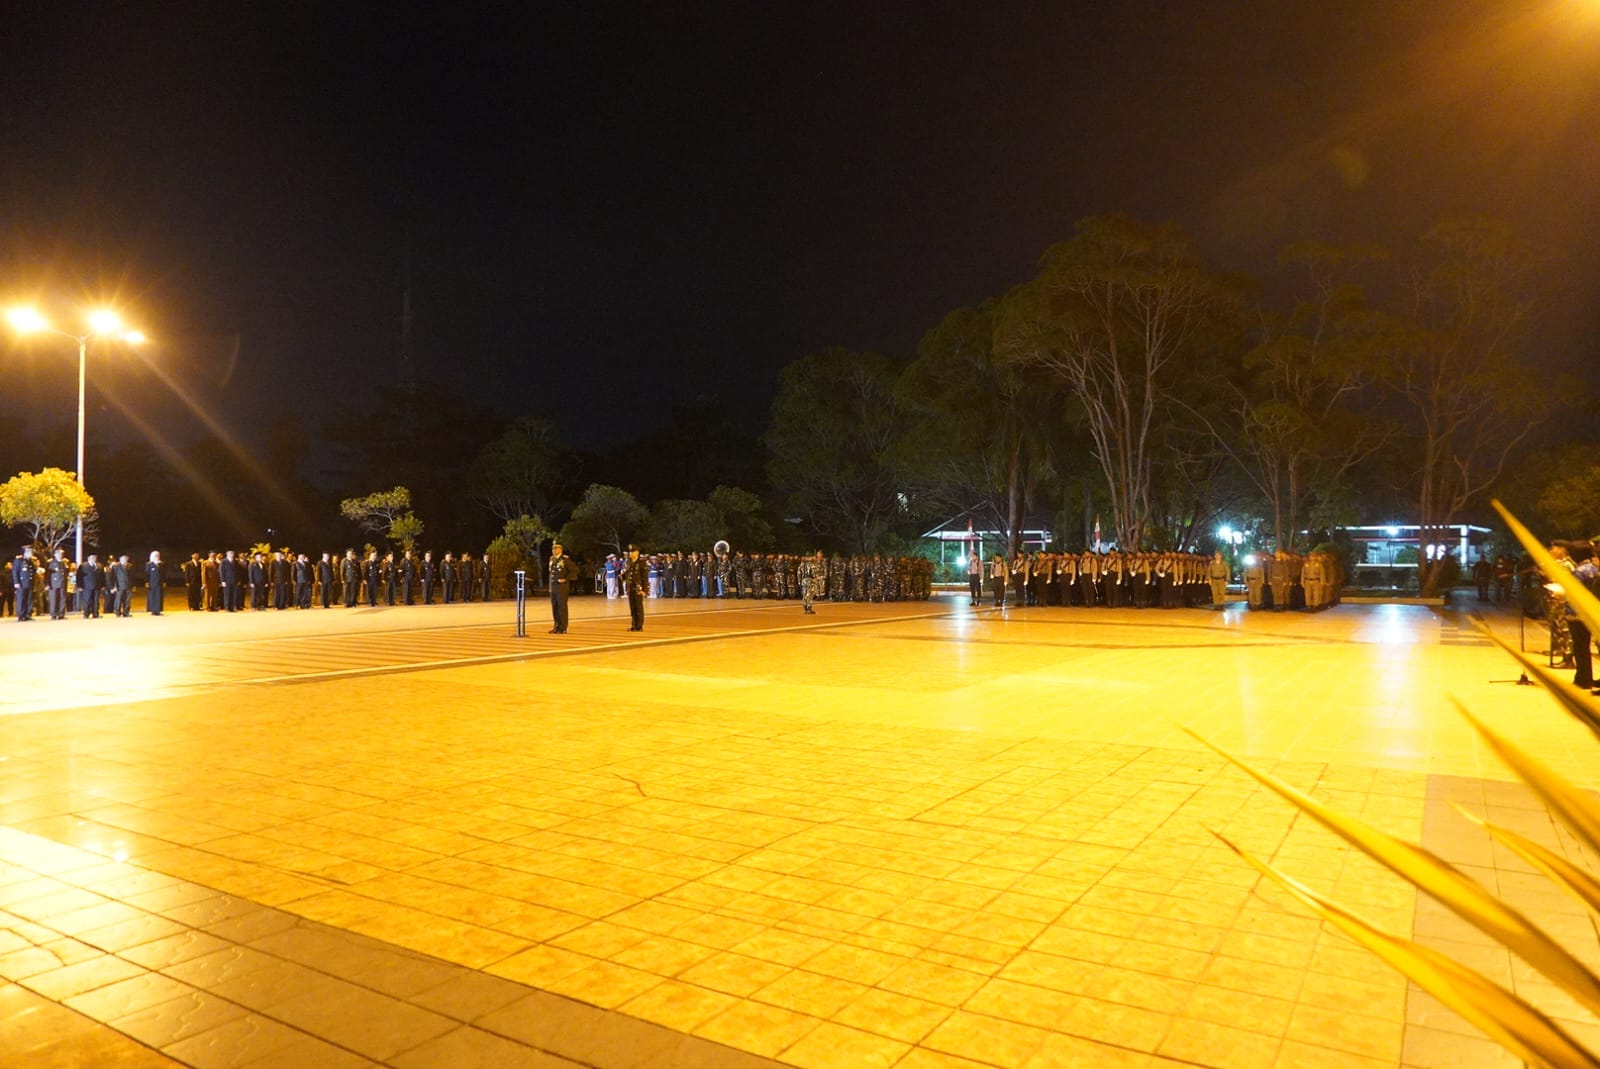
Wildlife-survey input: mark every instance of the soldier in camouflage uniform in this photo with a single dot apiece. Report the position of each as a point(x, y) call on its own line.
point(836, 570)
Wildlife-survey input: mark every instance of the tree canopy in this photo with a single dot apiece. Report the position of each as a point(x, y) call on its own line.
point(48, 503)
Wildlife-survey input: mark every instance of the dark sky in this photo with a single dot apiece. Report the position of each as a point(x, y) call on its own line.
point(613, 207)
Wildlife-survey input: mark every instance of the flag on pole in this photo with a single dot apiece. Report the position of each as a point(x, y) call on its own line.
point(1097, 530)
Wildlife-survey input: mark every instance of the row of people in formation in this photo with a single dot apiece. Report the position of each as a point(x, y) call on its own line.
point(1113, 579)
point(230, 582)
point(56, 585)
point(776, 575)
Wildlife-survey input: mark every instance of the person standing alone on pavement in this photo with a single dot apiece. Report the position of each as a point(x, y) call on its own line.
point(562, 572)
point(634, 577)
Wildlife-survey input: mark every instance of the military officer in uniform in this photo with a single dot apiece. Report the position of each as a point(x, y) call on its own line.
point(350, 574)
point(562, 572)
point(1218, 573)
point(23, 569)
point(55, 585)
point(427, 577)
point(809, 573)
point(325, 580)
point(633, 577)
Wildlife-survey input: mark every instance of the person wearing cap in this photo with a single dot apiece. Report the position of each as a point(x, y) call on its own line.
point(562, 572)
point(633, 577)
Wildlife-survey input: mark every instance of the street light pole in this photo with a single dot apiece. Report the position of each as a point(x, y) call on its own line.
point(83, 366)
point(103, 324)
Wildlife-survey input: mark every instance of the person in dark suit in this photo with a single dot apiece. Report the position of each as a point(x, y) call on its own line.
point(282, 580)
point(447, 573)
point(408, 579)
point(464, 584)
point(90, 580)
point(325, 579)
point(483, 576)
point(374, 572)
point(302, 582)
point(23, 570)
point(258, 581)
point(193, 584)
point(563, 570)
point(390, 577)
point(634, 577)
point(228, 572)
point(427, 577)
point(154, 594)
point(121, 586)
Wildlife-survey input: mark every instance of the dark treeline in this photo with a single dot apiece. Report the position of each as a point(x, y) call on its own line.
point(1127, 379)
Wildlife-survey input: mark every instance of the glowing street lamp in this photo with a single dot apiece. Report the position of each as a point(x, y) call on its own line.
point(103, 323)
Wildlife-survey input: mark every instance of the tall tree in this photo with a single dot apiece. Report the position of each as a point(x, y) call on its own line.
point(1301, 417)
point(514, 474)
point(606, 518)
point(983, 425)
point(1118, 311)
point(836, 423)
point(1460, 368)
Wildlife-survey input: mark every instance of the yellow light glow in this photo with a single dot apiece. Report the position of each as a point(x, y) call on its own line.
point(105, 321)
point(26, 320)
point(135, 337)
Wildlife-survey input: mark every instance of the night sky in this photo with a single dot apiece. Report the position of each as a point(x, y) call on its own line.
point(611, 208)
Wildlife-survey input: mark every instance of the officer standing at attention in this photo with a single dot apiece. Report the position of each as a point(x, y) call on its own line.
point(562, 572)
point(633, 577)
point(55, 574)
point(23, 570)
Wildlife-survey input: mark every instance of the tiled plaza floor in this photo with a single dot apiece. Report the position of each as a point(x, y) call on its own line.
point(914, 836)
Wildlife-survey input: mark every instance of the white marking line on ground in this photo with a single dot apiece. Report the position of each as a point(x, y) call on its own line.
point(458, 662)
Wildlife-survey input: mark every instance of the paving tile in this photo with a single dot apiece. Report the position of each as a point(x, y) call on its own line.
point(363, 1021)
point(236, 1042)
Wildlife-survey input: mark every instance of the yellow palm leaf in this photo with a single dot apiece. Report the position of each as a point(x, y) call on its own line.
point(1506, 1018)
point(1449, 885)
point(1576, 881)
point(1583, 708)
point(1574, 808)
point(1585, 604)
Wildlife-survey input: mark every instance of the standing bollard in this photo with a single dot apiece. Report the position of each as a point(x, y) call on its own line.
point(522, 604)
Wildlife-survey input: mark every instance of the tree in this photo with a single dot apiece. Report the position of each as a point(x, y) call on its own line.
point(513, 475)
point(606, 518)
point(985, 425)
point(1459, 368)
point(387, 513)
point(49, 504)
point(1300, 420)
point(742, 522)
point(677, 524)
point(836, 423)
point(405, 530)
point(528, 534)
point(1116, 312)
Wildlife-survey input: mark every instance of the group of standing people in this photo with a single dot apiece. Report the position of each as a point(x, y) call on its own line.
point(776, 576)
point(1110, 579)
point(1282, 581)
point(56, 586)
point(231, 582)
